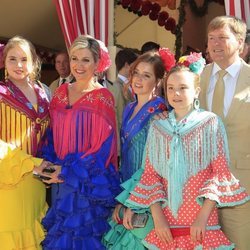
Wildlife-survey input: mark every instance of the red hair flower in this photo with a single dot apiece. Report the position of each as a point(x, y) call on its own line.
point(167, 57)
point(104, 61)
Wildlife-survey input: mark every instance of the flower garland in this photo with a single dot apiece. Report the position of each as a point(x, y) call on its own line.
point(153, 10)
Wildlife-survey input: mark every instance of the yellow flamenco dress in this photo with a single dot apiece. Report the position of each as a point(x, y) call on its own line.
point(22, 196)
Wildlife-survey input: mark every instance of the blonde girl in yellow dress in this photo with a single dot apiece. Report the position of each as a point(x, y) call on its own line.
point(23, 121)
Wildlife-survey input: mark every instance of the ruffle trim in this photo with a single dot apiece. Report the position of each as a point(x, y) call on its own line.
point(79, 219)
point(119, 238)
point(16, 165)
point(27, 239)
point(227, 192)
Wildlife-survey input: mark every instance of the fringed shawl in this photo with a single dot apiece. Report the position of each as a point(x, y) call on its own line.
point(134, 134)
point(21, 124)
point(84, 126)
point(179, 150)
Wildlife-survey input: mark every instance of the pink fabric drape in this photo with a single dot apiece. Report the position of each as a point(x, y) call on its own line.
point(83, 17)
point(240, 9)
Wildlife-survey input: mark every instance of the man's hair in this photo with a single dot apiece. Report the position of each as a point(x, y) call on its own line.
point(150, 46)
point(236, 25)
point(124, 56)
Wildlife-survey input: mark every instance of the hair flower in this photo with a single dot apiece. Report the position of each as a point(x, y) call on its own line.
point(104, 61)
point(195, 62)
point(167, 57)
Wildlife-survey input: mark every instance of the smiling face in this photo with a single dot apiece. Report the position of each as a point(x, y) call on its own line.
point(143, 79)
point(82, 64)
point(224, 47)
point(18, 64)
point(181, 91)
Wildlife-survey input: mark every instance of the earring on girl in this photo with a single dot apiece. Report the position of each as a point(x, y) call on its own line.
point(196, 103)
point(5, 74)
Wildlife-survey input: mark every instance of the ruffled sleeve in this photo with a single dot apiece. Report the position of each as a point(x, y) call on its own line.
point(14, 164)
point(150, 189)
point(222, 186)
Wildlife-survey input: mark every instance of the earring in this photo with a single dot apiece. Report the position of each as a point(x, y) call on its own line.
point(5, 74)
point(196, 103)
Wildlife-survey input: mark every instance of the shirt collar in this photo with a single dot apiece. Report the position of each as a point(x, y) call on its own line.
point(123, 78)
point(68, 79)
point(232, 70)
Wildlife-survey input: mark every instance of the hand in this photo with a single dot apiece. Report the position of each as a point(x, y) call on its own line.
point(127, 219)
point(115, 215)
point(162, 229)
point(39, 169)
point(161, 116)
point(198, 229)
point(54, 177)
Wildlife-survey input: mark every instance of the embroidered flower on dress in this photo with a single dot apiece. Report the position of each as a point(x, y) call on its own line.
point(41, 109)
point(29, 105)
point(151, 109)
point(162, 106)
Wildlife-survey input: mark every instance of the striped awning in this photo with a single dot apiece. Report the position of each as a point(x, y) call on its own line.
point(85, 17)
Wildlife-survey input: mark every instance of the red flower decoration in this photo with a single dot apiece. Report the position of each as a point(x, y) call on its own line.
point(125, 3)
point(162, 106)
point(104, 61)
point(146, 8)
point(135, 5)
point(156, 7)
point(151, 109)
point(170, 24)
point(163, 16)
point(167, 57)
point(153, 15)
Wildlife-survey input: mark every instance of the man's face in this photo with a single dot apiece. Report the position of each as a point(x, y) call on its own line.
point(223, 46)
point(62, 65)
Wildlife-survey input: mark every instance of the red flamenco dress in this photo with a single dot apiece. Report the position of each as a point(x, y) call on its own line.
point(84, 144)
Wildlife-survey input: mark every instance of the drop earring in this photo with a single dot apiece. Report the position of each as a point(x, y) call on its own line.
point(196, 103)
point(5, 74)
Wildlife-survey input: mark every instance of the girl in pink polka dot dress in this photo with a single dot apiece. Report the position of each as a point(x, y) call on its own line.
point(186, 173)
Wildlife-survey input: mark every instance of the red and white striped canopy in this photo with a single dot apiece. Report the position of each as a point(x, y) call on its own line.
point(83, 17)
point(240, 9)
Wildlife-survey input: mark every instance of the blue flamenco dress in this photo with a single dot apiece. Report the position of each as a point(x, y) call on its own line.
point(83, 141)
point(134, 133)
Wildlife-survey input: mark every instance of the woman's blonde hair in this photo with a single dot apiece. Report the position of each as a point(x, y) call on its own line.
point(30, 51)
point(86, 41)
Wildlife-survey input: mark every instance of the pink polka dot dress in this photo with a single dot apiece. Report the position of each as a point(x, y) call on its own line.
point(185, 163)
